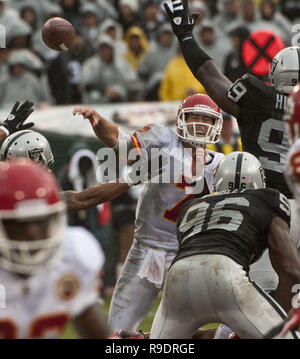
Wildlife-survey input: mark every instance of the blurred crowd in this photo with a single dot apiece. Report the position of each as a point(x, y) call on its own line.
point(124, 50)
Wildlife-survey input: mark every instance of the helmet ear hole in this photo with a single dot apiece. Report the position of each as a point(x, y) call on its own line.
point(28, 144)
point(284, 69)
point(238, 171)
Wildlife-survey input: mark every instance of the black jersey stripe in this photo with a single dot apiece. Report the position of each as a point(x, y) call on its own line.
point(298, 52)
point(238, 171)
point(278, 309)
point(12, 140)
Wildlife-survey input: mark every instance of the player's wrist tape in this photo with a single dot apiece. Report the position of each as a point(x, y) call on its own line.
point(4, 129)
point(194, 56)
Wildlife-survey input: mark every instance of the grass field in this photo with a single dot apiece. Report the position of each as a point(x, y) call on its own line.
point(70, 332)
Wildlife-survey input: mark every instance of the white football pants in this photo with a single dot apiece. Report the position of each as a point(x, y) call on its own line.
point(204, 289)
point(134, 296)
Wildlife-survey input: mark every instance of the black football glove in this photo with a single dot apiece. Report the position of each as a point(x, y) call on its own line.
point(182, 22)
point(17, 116)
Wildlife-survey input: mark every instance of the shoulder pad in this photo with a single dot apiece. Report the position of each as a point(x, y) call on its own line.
point(83, 249)
point(252, 90)
point(152, 136)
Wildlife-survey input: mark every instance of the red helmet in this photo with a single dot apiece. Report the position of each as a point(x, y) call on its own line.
point(204, 105)
point(29, 193)
point(292, 113)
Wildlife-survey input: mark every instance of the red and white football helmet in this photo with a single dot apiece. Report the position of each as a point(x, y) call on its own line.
point(29, 193)
point(204, 105)
point(292, 114)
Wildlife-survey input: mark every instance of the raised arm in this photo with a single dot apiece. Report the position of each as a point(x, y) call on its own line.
point(201, 65)
point(105, 130)
point(142, 171)
point(285, 261)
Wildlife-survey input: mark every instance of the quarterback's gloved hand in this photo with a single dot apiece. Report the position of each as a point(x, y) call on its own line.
point(144, 171)
point(182, 22)
point(16, 118)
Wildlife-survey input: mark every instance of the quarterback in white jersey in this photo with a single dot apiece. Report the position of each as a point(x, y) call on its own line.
point(155, 243)
point(50, 274)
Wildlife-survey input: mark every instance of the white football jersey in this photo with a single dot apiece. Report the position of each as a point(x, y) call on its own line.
point(160, 203)
point(292, 161)
point(41, 305)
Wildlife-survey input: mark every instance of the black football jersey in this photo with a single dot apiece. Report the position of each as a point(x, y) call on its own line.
point(262, 129)
point(234, 224)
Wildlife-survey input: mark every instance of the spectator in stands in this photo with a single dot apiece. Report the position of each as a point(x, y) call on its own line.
point(274, 20)
point(230, 140)
point(290, 9)
point(213, 6)
point(137, 46)
point(37, 43)
point(151, 20)
point(128, 14)
point(249, 16)
point(200, 8)
point(19, 35)
point(178, 81)
point(23, 82)
point(213, 42)
point(90, 24)
point(106, 78)
point(234, 66)
point(7, 14)
point(105, 9)
point(114, 30)
point(29, 14)
point(4, 69)
point(71, 9)
point(152, 69)
point(229, 11)
point(38, 5)
point(65, 70)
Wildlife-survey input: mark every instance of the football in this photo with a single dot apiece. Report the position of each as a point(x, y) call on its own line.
point(58, 34)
